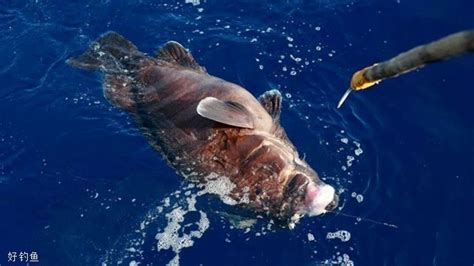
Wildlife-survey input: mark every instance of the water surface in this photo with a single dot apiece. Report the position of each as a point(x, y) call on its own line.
point(80, 185)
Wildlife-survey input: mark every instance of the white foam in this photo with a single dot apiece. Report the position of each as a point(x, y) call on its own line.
point(349, 161)
point(166, 202)
point(170, 237)
point(191, 203)
point(219, 185)
point(131, 249)
point(343, 260)
point(174, 261)
point(310, 237)
point(343, 235)
point(296, 59)
point(245, 198)
point(194, 2)
point(358, 197)
point(173, 236)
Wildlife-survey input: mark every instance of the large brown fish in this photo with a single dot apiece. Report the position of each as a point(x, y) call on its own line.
point(207, 128)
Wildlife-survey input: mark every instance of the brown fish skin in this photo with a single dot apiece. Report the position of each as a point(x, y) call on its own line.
point(163, 94)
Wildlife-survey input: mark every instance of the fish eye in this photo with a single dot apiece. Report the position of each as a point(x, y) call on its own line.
point(296, 182)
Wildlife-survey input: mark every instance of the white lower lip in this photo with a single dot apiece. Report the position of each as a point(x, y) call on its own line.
point(324, 196)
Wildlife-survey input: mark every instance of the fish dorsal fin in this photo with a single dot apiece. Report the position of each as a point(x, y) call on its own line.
point(174, 53)
point(271, 101)
point(225, 112)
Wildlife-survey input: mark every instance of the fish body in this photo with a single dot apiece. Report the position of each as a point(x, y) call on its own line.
point(207, 128)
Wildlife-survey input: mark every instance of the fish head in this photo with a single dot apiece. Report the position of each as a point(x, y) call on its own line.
point(314, 196)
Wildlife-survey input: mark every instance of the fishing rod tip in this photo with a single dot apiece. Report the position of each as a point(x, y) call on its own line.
point(344, 97)
point(339, 104)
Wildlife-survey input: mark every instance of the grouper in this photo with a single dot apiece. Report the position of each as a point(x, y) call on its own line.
point(207, 128)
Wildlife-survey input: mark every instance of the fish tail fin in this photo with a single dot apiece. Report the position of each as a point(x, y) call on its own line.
point(111, 53)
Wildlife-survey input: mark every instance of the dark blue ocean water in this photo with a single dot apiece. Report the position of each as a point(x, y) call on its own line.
point(80, 185)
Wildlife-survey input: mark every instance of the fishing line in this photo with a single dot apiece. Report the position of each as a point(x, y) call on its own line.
point(366, 219)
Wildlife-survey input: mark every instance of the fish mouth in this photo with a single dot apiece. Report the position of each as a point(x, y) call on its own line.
point(320, 199)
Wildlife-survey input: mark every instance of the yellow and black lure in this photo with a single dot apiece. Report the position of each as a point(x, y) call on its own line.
point(448, 47)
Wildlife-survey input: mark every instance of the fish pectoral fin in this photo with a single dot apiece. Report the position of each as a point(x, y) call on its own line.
point(238, 221)
point(225, 112)
point(271, 101)
point(174, 53)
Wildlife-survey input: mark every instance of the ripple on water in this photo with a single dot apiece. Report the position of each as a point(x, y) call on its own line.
point(177, 230)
